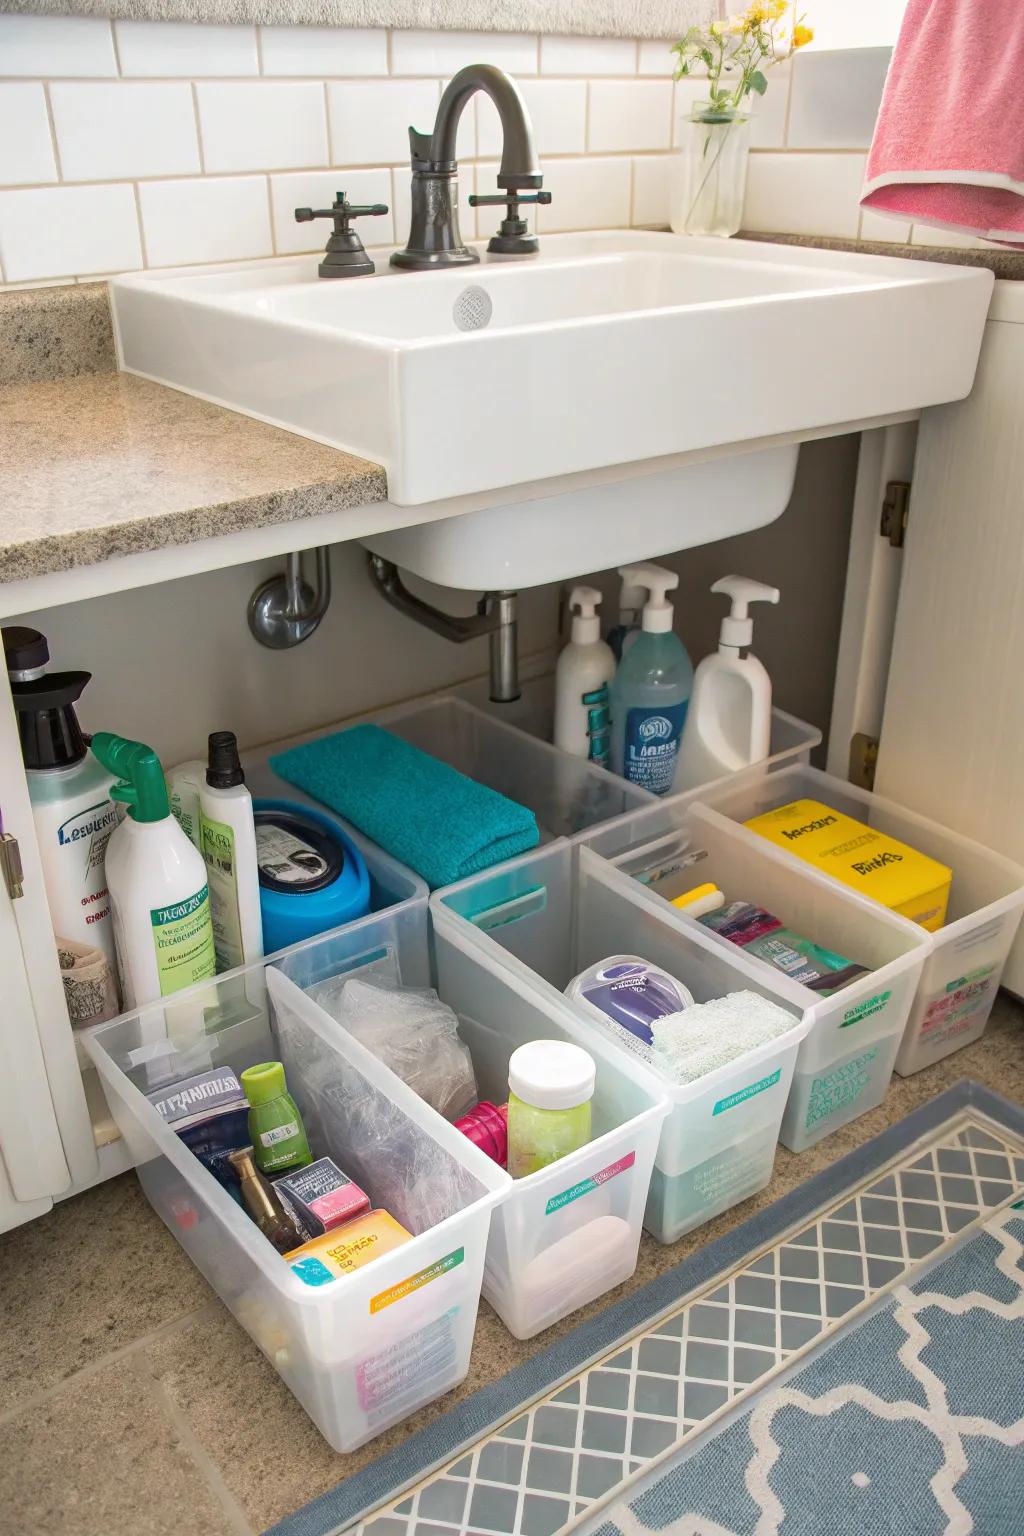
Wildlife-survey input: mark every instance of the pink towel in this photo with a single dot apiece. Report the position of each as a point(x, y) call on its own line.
point(949, 143)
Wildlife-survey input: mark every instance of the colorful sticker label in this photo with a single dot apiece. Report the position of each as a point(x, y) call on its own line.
point(652, 746)
point(221, 869)
point(417, 1282)
point(743, 1094)
point(279, 1133)
point(865, 1010)
point(416, 1366)
point(587, 1186)
point(599, 724)
point(183, 940)
point(838, 1089)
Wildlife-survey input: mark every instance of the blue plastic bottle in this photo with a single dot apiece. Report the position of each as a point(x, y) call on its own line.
point(651, 690)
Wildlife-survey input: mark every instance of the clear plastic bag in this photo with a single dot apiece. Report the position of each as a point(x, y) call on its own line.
point(410, 1031)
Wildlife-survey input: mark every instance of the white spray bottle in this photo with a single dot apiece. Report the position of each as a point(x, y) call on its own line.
point(585, 668)
point(729, 723)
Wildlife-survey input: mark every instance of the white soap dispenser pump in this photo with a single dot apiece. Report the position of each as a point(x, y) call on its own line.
point(585, 668)
point(729, 723)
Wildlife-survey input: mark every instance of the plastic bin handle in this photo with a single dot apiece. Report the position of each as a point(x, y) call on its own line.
point(497, 916)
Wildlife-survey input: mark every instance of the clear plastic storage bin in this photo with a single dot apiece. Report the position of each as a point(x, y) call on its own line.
point(367, 1349)
point(566, 794)
point(846, 1061)
point(792, 743)
point(961, 974)
point(543, 919)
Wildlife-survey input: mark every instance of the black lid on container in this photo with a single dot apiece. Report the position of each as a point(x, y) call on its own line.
point(224, 768)
point(25, 650)
point(48, 727)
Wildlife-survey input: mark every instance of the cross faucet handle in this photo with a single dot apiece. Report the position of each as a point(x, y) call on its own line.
point(345, 256)
point(341, 212)
point(512, 238)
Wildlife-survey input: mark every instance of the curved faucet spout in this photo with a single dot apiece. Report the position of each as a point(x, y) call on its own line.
point(519, 164)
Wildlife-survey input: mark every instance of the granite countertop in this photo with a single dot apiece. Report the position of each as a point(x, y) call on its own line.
point(95, 464)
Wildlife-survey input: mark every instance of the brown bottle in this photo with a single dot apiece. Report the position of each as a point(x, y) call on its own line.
point(264, 1204)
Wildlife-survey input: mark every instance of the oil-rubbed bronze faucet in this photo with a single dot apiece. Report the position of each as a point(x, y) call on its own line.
point(345, 255)
point(434, 238)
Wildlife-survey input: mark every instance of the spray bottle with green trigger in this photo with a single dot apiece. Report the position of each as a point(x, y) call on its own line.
point(157, 880)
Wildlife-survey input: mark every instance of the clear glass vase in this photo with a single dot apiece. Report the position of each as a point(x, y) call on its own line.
point(709, 172)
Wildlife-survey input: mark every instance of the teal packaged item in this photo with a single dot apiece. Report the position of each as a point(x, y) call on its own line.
point(761, 934)
point(443, 825)
point(312, 876)
point(651, 690)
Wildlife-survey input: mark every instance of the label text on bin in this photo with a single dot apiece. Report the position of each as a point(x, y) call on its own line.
point(749, 1092)
point(585, 1186)
point(417, 1282)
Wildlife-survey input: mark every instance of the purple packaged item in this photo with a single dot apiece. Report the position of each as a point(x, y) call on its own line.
point(630, 993)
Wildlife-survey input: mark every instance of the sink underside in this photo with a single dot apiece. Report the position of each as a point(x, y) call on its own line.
point(604, 349)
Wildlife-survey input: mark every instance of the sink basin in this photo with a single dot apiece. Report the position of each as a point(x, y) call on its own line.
point(604, 349)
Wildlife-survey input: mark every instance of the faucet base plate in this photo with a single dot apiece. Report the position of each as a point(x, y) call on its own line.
point(429, 261)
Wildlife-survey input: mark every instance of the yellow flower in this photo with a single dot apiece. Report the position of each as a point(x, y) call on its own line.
point(777, 8)
point(802, 36)
point(716, 29)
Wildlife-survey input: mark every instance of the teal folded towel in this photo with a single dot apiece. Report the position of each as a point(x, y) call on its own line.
point(443, 825)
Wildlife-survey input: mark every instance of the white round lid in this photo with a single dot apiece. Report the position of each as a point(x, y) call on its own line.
point(551, 1074)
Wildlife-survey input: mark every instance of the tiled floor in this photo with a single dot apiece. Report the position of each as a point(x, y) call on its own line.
point(556, 1461)
point(131, 1404)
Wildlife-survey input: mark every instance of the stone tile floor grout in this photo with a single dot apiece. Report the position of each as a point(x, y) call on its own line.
point(100, 1285)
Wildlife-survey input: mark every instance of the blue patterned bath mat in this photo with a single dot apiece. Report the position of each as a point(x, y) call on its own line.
point(912, 1422)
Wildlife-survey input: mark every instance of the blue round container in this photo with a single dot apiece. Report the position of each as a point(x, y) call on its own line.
point(312, 875)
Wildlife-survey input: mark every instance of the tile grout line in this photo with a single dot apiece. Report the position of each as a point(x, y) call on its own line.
point(193, 1448)
point(208, 1309)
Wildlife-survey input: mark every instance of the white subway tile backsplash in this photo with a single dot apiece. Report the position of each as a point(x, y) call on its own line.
point(657, 59)
point(586, 194)
point(370, 118)
point(183, 48)
point(804, 194)
point(836, 97)
point(122, 129)
point(56, 45)
point(26, 149)
point(558, 112)
point(262, 125)
point(768, 112)
point(68, 231)
point(442, 53)
point(226, 219)
point(324, 51)
point(926, 234)
point(629, 114)
point(651, 190)
point(688, 93)
point(877, 226)
point(317, 189)
point(587, 56)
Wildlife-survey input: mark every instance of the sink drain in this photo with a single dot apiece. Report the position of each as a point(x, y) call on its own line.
point(472, 309)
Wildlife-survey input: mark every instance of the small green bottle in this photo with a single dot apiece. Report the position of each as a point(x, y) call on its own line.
point(275, 1125)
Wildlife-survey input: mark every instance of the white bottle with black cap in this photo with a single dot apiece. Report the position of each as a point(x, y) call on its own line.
point(229, 849)
point(729, 723)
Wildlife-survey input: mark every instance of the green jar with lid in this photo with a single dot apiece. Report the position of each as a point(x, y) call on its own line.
point(275, 1126)
point(551, 1085)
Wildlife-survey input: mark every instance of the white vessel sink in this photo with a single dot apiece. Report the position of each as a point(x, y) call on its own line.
point(604, 349)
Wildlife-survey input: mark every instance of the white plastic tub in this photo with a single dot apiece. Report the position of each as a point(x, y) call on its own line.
point(792, 743)
point(846, 1061)
point(961, 975)
point(544, 918)
point(368, 1349)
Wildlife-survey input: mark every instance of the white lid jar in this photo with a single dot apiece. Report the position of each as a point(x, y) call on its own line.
point(551, 1074)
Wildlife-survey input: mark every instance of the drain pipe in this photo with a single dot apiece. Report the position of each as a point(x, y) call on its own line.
point(284, 610)
point(496, 616)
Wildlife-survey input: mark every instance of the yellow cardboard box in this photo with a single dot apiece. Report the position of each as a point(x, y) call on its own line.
point(899, 877)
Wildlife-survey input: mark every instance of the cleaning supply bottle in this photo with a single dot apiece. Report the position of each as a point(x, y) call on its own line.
point(69, 790)
point(729, 722)
point(157, 879)
point(279, 1139)
point(184, 784)
point(551, 1084)
point(651, 689)
point(232, 861)
point(631, 602)
point(585, 668)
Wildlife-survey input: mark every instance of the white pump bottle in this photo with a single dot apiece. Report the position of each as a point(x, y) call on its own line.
point(585, 668)
point(728, 726)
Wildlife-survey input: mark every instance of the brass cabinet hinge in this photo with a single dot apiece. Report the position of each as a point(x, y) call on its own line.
point(895, 512)
point(863, 759)
point(10, 866)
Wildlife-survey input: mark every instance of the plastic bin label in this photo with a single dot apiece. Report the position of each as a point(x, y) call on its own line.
point(416, 1282)
point(749, 1092)
point(404, 1371)
point(586, 1186)
point(865, 1010)
point(963, 1005)
point(839, 1088)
